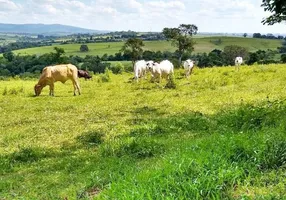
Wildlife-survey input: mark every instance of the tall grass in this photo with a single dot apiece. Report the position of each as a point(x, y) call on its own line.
point(219, 135)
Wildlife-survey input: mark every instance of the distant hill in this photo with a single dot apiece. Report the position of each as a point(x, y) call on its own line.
point(45, 29)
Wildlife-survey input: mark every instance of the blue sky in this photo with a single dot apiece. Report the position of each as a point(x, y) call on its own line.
point(224, 16)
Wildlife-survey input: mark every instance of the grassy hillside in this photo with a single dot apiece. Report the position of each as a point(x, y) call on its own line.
point(220, 135)
point(46, 29)
point(204, 44)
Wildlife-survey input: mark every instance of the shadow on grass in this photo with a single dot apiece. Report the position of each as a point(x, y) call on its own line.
point(111, 161)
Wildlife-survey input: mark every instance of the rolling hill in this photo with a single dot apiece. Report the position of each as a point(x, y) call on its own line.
point(45, 29)
point(203, 44)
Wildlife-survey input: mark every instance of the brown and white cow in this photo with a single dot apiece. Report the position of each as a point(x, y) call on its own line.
point(52, 74)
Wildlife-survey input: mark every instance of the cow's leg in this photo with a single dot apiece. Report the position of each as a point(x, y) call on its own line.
point(76, 87)
point(190, 72)
point(51, 89)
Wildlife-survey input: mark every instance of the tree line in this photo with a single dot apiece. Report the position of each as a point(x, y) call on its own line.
point(268, 36)
point(180, 37)
point(32, 65)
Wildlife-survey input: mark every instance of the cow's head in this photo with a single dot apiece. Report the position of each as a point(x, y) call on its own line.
point(38, 89)
point(87, 76)
point(83, 74)
point(150, 64)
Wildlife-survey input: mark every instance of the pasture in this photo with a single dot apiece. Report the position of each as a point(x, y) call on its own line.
point(203, 44)
point(220, 135)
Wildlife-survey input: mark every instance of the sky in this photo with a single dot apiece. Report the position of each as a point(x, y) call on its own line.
point(220, 16)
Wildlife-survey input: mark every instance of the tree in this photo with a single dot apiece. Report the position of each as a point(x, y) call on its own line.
point(9, 56)
point(83, 48)
point(278, 10)
point(256, 35)
point(181, 38)
point(57, 57)
point(232, 51)
point(133, 48)
point(283, 58)
point(283, 48)
point(245, 35)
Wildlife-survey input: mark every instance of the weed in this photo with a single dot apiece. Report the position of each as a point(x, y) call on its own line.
point(28, 154)
point(274, 154)
point(135, 147)
point(171, 84)
point(106, 76)
point(5, 91)
point(91, 138)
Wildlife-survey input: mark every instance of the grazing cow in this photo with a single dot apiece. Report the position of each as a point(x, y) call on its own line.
point(238, 61)
point(83, 74)
point(163, 69)
point(56, 73)
point(140, 69)
point(188, 66)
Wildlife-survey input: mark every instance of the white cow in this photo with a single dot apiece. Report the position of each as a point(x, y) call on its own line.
point(188, 66)
point(140, 69)
point(238, 61)
point(163, 69)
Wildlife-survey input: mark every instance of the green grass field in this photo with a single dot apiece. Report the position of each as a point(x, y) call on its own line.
point(219, 135)
point(204, 44)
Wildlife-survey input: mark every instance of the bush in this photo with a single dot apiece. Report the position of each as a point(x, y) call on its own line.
point(128, 67)
point(118, 68)
point(5, 91)
point(105, 77)
point(283, 58)
point(83, 48)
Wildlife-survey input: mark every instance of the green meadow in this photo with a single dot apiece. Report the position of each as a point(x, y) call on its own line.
point(203, 44)
point(219, 135)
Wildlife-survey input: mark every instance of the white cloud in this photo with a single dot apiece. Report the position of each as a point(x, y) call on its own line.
point(167, 5)
point(8, 5)
point(141, 15)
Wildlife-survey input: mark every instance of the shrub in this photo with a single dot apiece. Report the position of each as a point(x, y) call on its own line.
point(118, 68)
point(171, 84)
point(105, 77)
point(128, 67)
point(83, 48)
point(5, 91)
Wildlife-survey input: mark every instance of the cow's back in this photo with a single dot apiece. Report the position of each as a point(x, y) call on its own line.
point(166, 67)
point(63, 72)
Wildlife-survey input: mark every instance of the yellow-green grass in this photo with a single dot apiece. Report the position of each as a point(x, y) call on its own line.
point(204, 44)
point(51, 130)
